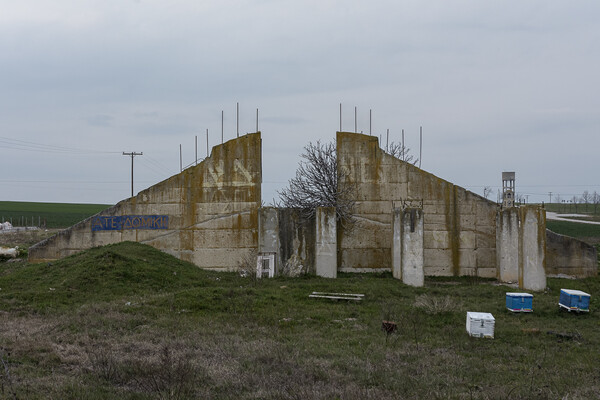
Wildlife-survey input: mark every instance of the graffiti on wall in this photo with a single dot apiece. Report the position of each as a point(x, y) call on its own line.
point(125, 222)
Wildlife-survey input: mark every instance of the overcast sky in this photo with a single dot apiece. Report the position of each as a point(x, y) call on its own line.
point(496, 86)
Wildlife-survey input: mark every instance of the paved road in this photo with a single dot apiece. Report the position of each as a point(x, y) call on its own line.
point(567, 217)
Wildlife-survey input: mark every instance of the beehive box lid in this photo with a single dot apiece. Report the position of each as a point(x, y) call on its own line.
point(480, 315)
point(574, 292)
point(514, 294)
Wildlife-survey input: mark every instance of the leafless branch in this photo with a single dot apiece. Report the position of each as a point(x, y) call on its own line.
point(318, 183)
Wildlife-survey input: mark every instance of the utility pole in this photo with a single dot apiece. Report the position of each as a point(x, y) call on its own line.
point(132, 154)
point(550, 194)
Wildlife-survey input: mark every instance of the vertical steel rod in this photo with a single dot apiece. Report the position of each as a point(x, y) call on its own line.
point(387, 141)
point(420, 145)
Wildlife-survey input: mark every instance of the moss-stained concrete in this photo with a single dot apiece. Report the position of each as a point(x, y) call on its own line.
point(459, 226)
point(212, 210)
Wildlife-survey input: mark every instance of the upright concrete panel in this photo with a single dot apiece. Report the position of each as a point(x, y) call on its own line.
point(268, 233)
point(507, 246)
point(533, 262)
point(207, 214)
point(521, 247)
point(412, 247)
point(326, 242)
point(397, 243)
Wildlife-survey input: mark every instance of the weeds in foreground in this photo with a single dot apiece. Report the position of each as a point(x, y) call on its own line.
point(433, 305)
point(6, 379)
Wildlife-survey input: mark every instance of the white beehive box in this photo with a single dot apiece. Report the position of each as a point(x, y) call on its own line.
point(480, 324)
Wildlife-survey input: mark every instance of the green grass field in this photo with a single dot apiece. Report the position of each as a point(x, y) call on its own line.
point(574, 229)
point(127, 321)
point(56, 215)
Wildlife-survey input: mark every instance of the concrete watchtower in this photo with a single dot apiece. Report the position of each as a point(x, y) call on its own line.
point(508, 189)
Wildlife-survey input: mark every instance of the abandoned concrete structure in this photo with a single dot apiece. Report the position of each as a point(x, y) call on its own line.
point(405, 220)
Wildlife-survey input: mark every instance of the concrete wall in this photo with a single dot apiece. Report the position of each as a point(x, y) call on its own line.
point(287, 233)
point(459, 226)
point(212, 212)
point(569, 256)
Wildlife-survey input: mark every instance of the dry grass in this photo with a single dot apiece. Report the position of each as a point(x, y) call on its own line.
point(436, 305)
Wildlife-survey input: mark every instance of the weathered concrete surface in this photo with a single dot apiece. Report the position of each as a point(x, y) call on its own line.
point(212, 211)
point(459, 226)
point(521, 233)
point(532, 274)
point(285, 232)
point(410, 247)
point(507, 244)
point(397, 243)
point(326, 242)
point(569, 256)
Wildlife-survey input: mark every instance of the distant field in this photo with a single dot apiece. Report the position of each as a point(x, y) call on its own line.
point(574, 229)
point(55, 215)
point(568, 208)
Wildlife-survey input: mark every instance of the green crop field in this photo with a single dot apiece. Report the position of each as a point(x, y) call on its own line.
point(55, 215)
point(126, 321)
point(574, 229)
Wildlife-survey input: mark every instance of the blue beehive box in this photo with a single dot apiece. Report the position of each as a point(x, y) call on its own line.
point(574, 300)
point(519, 302)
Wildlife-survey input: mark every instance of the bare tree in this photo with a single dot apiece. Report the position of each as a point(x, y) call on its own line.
point(595, 200)
point(558, 200)
point(586, 198)
point(319, 183)
point(401, 152)
point(487, 191)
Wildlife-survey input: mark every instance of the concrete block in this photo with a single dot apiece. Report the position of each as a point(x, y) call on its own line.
point(507, 245)
point(366, 258)
point(326, 243)
point(467, 239)
point(439, 271)
point(436, 239)
point(467, 258)
point(467, 221)
point(484, 240)
point(486, 258)
point(533, 247)
point(437, 258)
point(486, 272)
point(268, 225)
point(412, 247)
point(223, 238)
point(436, 219)
point(372, 207)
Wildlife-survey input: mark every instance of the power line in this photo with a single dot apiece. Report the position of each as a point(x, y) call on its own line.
point(24, 145)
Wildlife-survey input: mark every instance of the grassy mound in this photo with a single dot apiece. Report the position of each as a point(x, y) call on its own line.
point(99, 274)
